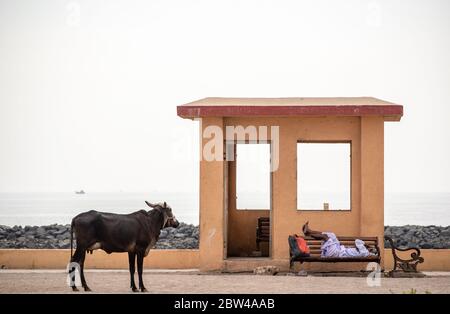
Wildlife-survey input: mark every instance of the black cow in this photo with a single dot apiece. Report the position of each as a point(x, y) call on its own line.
point(134, 233)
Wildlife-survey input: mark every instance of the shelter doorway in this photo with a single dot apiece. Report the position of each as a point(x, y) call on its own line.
point(249, 189)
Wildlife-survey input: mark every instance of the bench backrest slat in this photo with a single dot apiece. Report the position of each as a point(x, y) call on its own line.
point(348, 241)
point(347, 238)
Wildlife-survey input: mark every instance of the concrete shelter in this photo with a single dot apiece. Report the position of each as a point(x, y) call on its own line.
point(228, 234)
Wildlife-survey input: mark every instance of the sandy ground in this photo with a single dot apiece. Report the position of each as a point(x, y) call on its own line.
point(113, 281)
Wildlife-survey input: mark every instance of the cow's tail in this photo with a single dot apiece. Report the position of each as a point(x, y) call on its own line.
point(71, 240)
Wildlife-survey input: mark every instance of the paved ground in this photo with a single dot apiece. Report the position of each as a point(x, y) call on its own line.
point(113, 281)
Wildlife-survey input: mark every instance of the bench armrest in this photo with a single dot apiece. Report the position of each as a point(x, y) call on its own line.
point(407, 265)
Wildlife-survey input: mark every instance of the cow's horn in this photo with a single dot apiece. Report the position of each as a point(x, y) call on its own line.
point(150, 204)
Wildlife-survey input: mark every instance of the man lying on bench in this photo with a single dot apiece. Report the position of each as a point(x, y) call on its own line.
point(331, 247)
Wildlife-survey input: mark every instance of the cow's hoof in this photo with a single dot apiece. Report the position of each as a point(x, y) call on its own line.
point(134, 289)
point(87, 289)
point(143, 290)
point(75, 289)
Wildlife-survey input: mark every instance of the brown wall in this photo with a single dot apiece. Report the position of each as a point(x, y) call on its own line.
point(242, 232)
point(58, 259)
point(366, 216)
point(435, 260)
point(286, 218)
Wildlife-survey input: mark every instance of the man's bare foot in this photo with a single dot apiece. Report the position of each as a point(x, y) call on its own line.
point(305, 228)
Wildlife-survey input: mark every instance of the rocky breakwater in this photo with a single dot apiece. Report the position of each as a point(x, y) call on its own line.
point(35, 237)
point(58, 237)
point(186, 236)
point(423, 237)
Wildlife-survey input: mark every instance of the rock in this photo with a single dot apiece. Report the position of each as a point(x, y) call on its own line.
point(163, 234)
point(40, 231)
point(171, 230)
point(64, 244)
point(29, 236)
point(398, 232)
point(63, 236)
point(266, 270)
point(31, 245)
point(60, 230)
point(445, 233)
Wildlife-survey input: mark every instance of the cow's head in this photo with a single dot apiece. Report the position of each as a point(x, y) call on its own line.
point(166, 210)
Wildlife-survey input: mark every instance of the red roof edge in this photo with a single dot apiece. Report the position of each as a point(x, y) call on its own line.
point(395, 111)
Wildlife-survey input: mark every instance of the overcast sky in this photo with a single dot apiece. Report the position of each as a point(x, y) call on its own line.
point(89, 89)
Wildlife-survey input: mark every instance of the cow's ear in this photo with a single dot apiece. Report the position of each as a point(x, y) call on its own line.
point(165, 205)
point(150, 204)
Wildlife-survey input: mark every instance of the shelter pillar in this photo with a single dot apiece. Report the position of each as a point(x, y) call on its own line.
point(212, 196)
point(372, 179)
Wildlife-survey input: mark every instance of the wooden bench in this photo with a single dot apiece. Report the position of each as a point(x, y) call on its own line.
point(315, 256)
point(262, 231)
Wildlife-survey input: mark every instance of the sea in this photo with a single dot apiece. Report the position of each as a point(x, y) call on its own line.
point(49, 208)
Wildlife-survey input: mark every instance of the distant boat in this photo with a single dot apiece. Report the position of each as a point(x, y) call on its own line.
point(80, 192)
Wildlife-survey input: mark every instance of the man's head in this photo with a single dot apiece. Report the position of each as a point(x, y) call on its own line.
point(166, 210)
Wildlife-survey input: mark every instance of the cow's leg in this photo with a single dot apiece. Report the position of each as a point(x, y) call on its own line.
point(132, 262)
point(83, 280)
point(76, 258)
point(140, 263)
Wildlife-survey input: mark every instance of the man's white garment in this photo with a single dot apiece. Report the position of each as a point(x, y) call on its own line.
point(332, 248)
